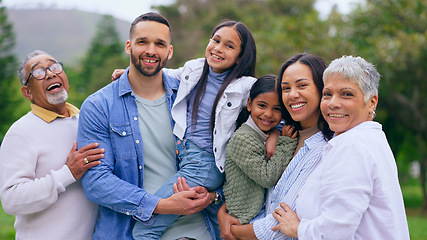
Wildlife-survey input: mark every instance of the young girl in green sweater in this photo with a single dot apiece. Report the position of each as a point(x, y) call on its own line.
point(248, 173)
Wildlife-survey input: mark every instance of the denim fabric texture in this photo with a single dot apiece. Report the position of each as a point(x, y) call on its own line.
point(110, 117)
point(198, 168)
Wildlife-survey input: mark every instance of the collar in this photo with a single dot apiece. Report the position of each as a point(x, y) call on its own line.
point(48, 116)
point(314, 140)
point(358, 128)
point(251, 123)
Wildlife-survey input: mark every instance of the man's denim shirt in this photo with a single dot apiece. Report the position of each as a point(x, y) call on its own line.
point(110, 117)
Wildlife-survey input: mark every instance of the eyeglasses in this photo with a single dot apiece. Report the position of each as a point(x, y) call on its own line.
point(40, 73)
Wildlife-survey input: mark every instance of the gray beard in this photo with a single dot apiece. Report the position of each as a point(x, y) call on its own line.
point(57, 98)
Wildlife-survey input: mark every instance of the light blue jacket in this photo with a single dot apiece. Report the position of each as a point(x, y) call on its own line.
point(234, 98)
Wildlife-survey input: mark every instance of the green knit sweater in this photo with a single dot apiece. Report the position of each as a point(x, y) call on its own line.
point(248, 173)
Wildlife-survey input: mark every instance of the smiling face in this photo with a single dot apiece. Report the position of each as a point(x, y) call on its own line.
point(223, 49)
point(265, 110)
point(300, 95)
point(49, 93)
point(343, 105)
point(149, 47)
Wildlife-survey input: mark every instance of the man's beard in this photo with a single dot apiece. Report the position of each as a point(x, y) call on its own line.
point(137, 63)
point(57, 98)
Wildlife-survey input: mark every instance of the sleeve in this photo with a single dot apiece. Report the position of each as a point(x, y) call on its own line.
point(250, 156)
point(262, 229)
point(21, 192)
point(174, 73)
point(100, 183)
point(346, 189)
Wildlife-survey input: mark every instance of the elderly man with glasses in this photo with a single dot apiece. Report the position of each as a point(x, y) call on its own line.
point(39, 163)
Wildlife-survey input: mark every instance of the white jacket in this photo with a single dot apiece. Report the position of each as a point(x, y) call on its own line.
point(232, 101)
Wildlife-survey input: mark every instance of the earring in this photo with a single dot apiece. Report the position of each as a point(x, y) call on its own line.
point(372, 114)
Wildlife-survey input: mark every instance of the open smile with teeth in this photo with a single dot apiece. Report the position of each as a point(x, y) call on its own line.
point(216, 57)
point(336, 115)
point(53, 86)
point(266, 122)
point(294, 106)
point(150, 60)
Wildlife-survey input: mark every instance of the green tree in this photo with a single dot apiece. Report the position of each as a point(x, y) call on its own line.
point(9, 85)
point(392, 34)
point(106, 53)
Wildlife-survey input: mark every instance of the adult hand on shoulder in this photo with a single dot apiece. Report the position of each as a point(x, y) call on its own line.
point(225, 222)
point(117, 73)
point(288, 221)
point(79, 161)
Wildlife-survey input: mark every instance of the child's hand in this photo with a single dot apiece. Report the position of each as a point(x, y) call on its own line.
point(288, 221)
point(289, 131)
point(116, 74)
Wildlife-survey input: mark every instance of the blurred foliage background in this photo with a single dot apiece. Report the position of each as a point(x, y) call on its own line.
point(391, 34)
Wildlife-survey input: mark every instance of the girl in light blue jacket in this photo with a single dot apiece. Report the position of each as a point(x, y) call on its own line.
point(212, 92)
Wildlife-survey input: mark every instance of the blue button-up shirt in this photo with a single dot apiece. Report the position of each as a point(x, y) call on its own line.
point(110, 117)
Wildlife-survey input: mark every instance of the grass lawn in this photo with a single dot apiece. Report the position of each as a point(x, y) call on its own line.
point(7, 232)
point(417, 220)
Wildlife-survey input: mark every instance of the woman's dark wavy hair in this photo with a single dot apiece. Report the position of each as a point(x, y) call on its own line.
point(244, 67)
point(317, 66)
point(264, 84)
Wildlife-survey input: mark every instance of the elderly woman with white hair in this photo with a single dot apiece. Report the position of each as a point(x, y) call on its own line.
point(354, 192)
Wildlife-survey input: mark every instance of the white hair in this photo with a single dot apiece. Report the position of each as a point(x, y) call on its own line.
point(358, 70)
point(23, 75)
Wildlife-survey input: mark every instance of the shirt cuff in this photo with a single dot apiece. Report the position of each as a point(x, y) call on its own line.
point(146, 208)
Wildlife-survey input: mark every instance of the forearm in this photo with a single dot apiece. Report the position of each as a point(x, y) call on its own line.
point(32, 196)
point(22, 190)
point(243, 231)
point(248, 153)
point(106, 189)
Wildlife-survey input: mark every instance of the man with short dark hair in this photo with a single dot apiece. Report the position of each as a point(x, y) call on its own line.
point(39, 174)
point(131, 119)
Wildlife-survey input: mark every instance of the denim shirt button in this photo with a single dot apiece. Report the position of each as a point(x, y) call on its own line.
point(127, 213)
point(135, 118)
point(137, 141)
point(124, 133)
point(140, 167)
